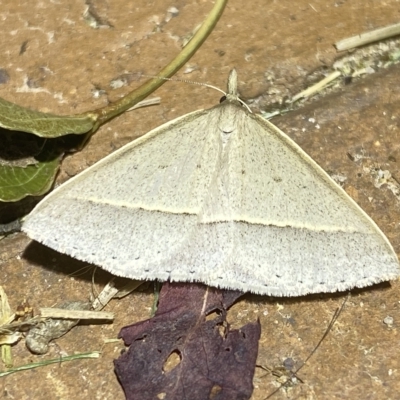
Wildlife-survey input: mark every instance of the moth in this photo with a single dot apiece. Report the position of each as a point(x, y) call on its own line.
point(218, 196)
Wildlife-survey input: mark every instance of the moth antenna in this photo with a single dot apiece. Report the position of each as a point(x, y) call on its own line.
point(199, 84)
point(186, 81)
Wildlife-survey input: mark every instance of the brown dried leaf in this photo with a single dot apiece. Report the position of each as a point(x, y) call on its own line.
point(213, 362)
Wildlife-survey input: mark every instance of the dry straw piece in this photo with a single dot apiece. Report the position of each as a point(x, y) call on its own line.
point(219, 196)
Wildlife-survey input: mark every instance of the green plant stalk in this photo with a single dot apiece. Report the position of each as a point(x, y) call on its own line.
point(17, 118)
point(104, 114)
point(94, 354)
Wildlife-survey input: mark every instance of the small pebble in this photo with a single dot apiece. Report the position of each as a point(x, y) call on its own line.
point(388, 320)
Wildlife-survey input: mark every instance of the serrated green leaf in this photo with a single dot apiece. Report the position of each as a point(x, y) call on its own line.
point(17, 118)
point(33, 180)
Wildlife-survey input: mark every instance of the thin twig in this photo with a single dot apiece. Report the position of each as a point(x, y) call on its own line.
point(62, 313)
point(368, 37)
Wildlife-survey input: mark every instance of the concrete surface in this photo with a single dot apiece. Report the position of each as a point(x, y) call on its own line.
point(276, 46)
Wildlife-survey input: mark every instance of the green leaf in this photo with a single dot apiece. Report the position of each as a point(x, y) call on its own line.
point(32, 180)
point(17, 118)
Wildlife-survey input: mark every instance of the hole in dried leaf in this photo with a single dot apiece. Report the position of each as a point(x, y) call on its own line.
point(215, 391)
point(172, 361)
point(222, 330)
point(213, 315)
